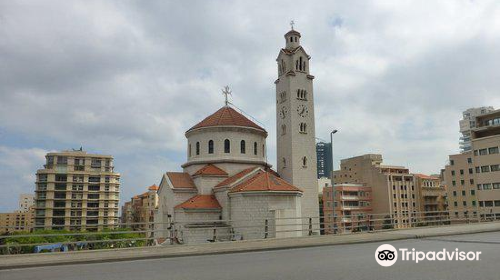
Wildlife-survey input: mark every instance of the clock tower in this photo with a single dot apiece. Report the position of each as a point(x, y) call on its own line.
point(296, 142)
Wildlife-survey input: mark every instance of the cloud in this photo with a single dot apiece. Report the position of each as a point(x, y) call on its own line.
point(128, 79)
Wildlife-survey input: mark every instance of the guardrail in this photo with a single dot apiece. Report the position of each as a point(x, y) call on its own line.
point(124, 235)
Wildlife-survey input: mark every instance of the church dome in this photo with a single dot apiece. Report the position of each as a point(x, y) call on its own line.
point(227, 139)
point(226, 116)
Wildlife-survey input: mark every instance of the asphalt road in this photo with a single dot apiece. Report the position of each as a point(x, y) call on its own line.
point(355, 261)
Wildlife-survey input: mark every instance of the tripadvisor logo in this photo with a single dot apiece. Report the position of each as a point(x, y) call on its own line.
point(387, 255)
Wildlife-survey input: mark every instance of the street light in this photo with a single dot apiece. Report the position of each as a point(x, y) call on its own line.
point(331, 179)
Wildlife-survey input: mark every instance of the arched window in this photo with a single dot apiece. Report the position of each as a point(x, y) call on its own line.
point(300, 63)
point(304, 162)
point(197, 148)
point(284, 162)
point(296, 65)
point(189, 150)
point(242, 147)
point(227, 146)
point(255, 148)
point(263, 150)
point(303, 128)
point(211, 146)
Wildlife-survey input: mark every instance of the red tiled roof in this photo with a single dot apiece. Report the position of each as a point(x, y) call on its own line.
point(181, 180)
point(200, 202)
point(235, 177)
point(210, 169)
point(264, 181)
point(226, 116)
point(153, 188)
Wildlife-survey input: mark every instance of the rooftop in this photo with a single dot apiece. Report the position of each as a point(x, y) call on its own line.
point(226, 116)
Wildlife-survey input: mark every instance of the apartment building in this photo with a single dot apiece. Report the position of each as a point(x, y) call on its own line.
point(140, 210)
point(16, 221)
point(19, 220)
point(77, 191)
point(473, 178)
point(393, 193)
point(432, 197)
point(26, 202)
point(352, 208)
point(467, 123)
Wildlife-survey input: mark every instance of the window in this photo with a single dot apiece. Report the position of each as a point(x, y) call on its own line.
point(452, 162)
point(493, 150)
point(211, 146)
point(464, 203)
point(486, 186)
point(485, 168)
point(284, 162)
point(471, 171)
point(453, 183)
point(42, 177)
point(283, 129)
point(471, 181)
point(478, 169)
point(479, 186)
point(472, 192)
point(474, 203)
point(454, 193)
point(469, 160)
point(483, 152)
point(255, 148)
point(462, 182)
point(227, 146)
point(189, 150)
point(495, 167)
point(304, 162)
point(95, 163)
point(62, 160)
point(242, 147)
point(303, 128)
point(496, 186)
point(461, 172)
point(463, 193)
point(453, 173)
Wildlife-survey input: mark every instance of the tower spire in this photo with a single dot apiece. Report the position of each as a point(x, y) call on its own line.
point(292, 23)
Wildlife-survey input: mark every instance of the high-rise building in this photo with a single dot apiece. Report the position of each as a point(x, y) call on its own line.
point(26, 202)
point(473, 177)
point(296, 142)
point(324, 159)
point(76, 190)
point(393, 188)
point(467, 123)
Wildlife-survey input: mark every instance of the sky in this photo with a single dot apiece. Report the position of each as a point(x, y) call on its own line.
point(128, 78)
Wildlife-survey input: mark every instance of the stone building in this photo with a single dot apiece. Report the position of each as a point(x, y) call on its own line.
point(227, 189)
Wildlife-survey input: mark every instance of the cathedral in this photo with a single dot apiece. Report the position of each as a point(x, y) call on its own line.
point(227, 190)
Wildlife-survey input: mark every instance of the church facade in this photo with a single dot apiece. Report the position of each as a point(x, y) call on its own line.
point(227, 190)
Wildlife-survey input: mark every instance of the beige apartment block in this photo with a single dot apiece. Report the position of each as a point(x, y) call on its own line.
point(139, 211)
point(473, 178)
point(16, 221)
point(394, 195)
point(77, 191)
point(432, 197)
point(353, 208)
point(26, 202)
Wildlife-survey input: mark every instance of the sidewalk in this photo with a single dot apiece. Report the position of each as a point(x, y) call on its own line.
point(79, 257)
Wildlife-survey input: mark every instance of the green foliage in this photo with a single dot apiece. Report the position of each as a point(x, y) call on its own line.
point(73, 236)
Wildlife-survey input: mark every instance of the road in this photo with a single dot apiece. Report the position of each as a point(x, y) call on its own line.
point(354, 261)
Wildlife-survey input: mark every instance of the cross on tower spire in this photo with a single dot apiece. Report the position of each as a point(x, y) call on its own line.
point(226, 91)
point(292, 23)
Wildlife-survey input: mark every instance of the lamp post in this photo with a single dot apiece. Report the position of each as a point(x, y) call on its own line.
point(331, 179)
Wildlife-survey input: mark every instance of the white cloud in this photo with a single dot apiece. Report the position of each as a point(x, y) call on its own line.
point(128, 79)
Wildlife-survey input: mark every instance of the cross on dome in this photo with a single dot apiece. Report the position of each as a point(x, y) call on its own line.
point(226, 91)
point(292, 23)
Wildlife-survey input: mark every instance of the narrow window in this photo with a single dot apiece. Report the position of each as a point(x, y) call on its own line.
point(197, 148)
point(227, 146)
point(255, 148)
point(296, 65)
point(284, 162)
point(211, 146)
point(304, 162)
point(300, 63)
point(189, 150)
point(283, 129)
point(242, 147)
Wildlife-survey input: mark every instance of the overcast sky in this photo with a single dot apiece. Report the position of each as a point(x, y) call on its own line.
point(128, 78)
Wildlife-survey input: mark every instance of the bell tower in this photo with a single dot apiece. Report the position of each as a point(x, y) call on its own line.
point(296, 142)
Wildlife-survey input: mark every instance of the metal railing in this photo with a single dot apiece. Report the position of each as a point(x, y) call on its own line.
point(123, 235)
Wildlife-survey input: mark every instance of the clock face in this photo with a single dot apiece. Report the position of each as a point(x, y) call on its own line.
point(302, 111)
point(283, 112)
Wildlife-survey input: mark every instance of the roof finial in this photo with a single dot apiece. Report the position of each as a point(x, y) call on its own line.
point(226, 91)
point(292, 23)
